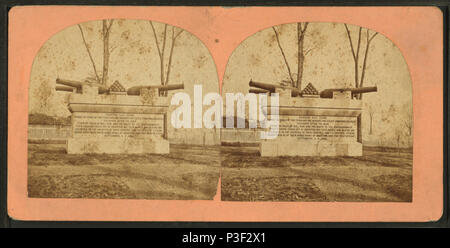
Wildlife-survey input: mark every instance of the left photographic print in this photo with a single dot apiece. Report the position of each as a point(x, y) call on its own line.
point(99, 120)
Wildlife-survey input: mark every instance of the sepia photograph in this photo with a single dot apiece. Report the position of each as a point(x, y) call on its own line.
point(100, 114)
point(345, 129)
point(217, 114)
point(101, 106)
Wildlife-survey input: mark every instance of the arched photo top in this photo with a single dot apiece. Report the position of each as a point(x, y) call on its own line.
point(326, 56)
point(131, 52)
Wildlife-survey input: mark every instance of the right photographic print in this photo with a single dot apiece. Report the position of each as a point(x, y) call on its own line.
point(321, 112)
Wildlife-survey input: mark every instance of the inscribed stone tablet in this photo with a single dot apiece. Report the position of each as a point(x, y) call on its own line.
point(318, 127)
point(120, 125)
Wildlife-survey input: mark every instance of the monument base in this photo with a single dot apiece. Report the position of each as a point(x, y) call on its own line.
point(309, 148)
point(117, 145)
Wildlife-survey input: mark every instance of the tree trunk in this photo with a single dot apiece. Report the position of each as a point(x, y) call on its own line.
point(105, 31)
point(368, 40)
point(300, 56)
point(162, 55)
point(355, 54)
point(169, 66)
point(300, 53)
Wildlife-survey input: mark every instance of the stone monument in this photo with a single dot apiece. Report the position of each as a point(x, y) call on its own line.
point(313, 124)
point(114, 120)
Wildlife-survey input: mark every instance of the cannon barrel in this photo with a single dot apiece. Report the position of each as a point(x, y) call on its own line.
point(136, 90)
point(264, 86)
point(328, 93)
point(71, 83)
point(271, 88)
point(364, 90)
point(172, 87)
point(294, 92)
point(258, 91)
point(64, 88)
point(77, 84)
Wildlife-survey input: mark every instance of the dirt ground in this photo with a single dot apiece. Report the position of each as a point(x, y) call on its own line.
point(186, 173)
point(192, 172)
point(380, 175)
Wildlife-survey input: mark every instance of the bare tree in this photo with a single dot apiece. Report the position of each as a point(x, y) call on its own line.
point(106, 28)
point(401, 138)
point(160, 51)
point(174, 37)
point(89, 53)
point(366, 53)
point(165, 73)
point(355, 53)
point(106, 52)
point(284, 56)
point(301, 53)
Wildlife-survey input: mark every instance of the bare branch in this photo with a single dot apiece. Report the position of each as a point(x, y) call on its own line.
point(174, 37)
point(110, 24)
point(357, 59)
point(359, 43)
point(113, 48)
point(89, 53)
point(181, 31)
point(156, 39)
point(350, 40)
point(162, 55)
point(160, 50)
point(307, 51)
point(164, 39)
point(355, 55)
point(304, 28)
point(373, 36)
point(284, 56)
point(300, 53)
point(106, 52)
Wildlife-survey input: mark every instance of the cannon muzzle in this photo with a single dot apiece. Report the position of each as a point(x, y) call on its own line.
point(136, 90)
point(328, 93)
